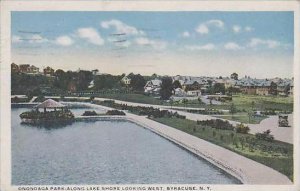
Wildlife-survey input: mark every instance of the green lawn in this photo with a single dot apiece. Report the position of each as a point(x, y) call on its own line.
point(263, 102)
point(134, 97)
point(276, 154)
point(244, 118)
point(242, 102)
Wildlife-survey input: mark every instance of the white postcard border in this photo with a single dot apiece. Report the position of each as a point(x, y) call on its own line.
point(60, 5)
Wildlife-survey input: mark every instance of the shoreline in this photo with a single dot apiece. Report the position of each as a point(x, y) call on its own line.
point(247, 171)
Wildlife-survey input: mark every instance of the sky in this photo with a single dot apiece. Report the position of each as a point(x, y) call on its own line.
point(257, 44)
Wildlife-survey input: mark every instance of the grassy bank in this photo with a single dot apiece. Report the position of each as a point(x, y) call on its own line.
point(275, 154)
point(246, 102)
point(244, 118)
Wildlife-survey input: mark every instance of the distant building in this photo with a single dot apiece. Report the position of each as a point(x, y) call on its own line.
point(263, 88)
point(24, 68)
point(33, 70)
point(153, 86)
point(194, 93)
point(191, 85)
point(291, 90)
point(95, 72)
point(179, 92)
point(126, 80)
point(48, 71)
point(27, 69)
point(14, 68)
point(92, 84)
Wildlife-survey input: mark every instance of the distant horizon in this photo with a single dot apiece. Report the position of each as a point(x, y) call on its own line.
point(196, 43)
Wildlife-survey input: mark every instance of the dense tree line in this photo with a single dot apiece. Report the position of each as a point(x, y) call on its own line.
point(26, 84)
point(107, 81)
point(80, 80)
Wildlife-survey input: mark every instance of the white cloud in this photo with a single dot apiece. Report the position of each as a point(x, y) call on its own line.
point(248, 29)
point(254, 42)
point(232, 46)
point(209, 46)
point(37, 39)
point(185, 34)
point(121, 27)
point(91, 35)
point(16, 39)
point(64, 41)
point(204, 28)
point(156, 44)
point(236, 29)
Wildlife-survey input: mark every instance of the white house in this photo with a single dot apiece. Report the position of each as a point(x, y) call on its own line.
point(194, 93)
point(179, 92)
point(152, 86)
point(126, 80)
point(91, 85)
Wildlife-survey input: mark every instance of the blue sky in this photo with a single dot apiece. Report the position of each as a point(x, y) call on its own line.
point(186, 43)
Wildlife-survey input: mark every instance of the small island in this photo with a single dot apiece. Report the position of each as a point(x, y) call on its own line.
point(56, 113)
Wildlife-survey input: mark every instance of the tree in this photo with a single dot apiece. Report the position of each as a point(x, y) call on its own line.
point(185, 101)
point(137, 82)
point(176, 84)
point(83, 79)
point(106, 82)
point(241, 128)
point(171, 101)
point(232, 109)
point(200, 101)
point(287, 89)
point(234, 76)
point(153, 76)
point(273, 88)
point(219, 88)
point(59, 73)
point(166, 88)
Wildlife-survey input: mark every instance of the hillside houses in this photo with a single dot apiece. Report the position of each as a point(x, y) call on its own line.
point(252, 86)
point(25, 68)
point(196, 86)
point(31, 70)
point(48, 71)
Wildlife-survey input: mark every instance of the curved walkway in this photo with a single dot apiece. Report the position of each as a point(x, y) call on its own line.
point(246, 170)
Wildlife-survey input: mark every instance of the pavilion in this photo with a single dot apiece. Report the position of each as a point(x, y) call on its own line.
point(50, 104)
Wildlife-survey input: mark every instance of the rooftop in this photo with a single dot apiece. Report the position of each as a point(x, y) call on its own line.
point(50, 103)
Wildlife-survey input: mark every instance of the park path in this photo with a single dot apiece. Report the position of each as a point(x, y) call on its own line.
point(284, 134)
point(32, 99)
point(246, 170)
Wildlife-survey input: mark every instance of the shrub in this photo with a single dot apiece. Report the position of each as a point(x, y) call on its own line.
point(221, 137)
point(214, 133)
point(217, 124)
point(92, 98)
point(115, 112)
point(266, 135)
point(241, 128)
point(89, 113)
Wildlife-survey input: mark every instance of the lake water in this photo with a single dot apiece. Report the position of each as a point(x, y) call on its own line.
point(103, 152)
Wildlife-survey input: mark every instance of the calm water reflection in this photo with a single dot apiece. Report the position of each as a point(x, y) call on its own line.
point(103, 152)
